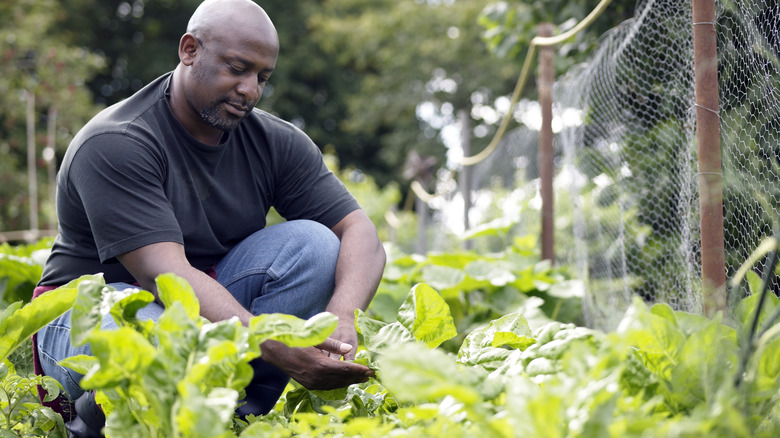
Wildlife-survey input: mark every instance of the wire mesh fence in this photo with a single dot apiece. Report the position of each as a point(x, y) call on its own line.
point(632, 162)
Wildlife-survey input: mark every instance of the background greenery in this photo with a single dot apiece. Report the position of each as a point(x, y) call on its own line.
point(352, 73)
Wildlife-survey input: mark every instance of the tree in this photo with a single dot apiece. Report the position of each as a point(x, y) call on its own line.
point(137, 38)
point(415, 66)
point(37, 67)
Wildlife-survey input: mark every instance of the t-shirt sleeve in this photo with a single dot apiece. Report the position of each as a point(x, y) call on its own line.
point(306, 188)
point(119, 182)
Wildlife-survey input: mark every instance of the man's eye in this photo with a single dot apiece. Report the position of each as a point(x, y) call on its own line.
point(236, 70)
point(261, 80)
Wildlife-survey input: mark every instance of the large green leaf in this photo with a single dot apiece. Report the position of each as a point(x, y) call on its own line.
point(495, 272)
point(17, 324)
point(205, 415)
point(222, 356)
point(171, 288)
point(418, 374)
point(294, 331)
point(707, 359)
point(86, 316)
point(18, 276)
point(424, 316)
point(427, 316)
point(746, 309)
point(379, 336)
point(442, 277)
point(124, 311)
point(658, 340)
point(81, 363)
point(489, 346)
point(123, 354)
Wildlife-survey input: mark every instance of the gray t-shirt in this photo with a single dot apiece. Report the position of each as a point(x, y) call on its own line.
point(134, 176)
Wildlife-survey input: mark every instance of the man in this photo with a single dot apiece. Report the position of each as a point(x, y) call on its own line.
point(179, 178)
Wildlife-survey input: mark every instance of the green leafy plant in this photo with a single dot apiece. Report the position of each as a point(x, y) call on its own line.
point(20, 269)
point(479, 288)
point(22, 413)
point(661, 373)
point(181, 376)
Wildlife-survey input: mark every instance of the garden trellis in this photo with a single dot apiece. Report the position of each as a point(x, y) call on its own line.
point(631, 168)
point(633, 164)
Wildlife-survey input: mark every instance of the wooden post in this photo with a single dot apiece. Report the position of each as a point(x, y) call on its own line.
point(713, 264)
point(32, 178)
point(50, 156)
point(546, 167)
point(422, 222)
point(464, 179)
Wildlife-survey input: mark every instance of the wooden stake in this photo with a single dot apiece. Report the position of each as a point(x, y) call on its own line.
point(546, 166)
point(713, 264)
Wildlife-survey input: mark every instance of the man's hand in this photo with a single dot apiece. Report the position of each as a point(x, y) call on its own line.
point(346, 333)
point(317, 367)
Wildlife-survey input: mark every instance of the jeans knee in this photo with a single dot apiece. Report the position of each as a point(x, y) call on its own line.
point(318, 240)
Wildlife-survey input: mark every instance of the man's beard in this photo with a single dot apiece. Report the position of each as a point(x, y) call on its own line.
point(211, 115)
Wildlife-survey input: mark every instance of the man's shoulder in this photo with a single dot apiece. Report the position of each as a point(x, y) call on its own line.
point(271, 125)
point(137, 112)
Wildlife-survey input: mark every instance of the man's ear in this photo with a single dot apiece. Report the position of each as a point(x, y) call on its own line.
point(188, 48)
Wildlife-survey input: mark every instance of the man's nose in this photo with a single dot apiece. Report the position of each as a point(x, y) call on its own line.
point(249, 89)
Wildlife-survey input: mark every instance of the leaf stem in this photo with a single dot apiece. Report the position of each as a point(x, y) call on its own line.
point(749, 339)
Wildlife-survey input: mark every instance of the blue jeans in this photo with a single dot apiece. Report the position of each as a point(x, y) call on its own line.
point(286, 268)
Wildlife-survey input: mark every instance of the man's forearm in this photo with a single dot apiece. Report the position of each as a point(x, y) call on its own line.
point(359, 267)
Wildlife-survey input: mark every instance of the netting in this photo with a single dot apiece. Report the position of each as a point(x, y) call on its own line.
point(632, 164)
point(627, 199)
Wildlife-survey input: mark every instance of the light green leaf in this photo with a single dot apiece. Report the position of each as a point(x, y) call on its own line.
point(223, 356)
point(769, 362)
point(482, 346)
point(122, 354)
point(302, 400)
point(293, 331)
point(417, 374)
point(205, 415)
point(86, 315)
point(512, 340)
point(427, 316)
point(5, 433)
point(755, 282)
point(380, 336)
point(457, 261)
point(171, 288)
point(746, 309)
point(496, 272)
point(496, 227)
point(51, 386)
point(81, 363)
point(707, 359)
point(658, 340)
point(19, 323)
point(124, 311)
point(442, 277)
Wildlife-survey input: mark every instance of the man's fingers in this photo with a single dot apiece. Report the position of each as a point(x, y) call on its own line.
point(335, 346)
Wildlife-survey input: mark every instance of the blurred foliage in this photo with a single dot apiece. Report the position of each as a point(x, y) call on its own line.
point(372, 81)
point(482, 287)
point(37, 60)
point(417, 65)
point(510, 26)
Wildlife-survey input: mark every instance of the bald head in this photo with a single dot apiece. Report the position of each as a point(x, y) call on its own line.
point(226, 58)
point(214, 19)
